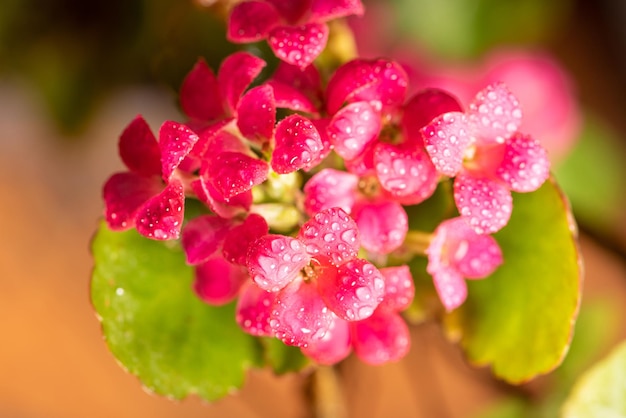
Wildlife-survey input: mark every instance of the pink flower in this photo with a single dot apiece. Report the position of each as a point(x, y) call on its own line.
point(488, 156)
point(456, 252)
point(150, 196)
point(295, 30)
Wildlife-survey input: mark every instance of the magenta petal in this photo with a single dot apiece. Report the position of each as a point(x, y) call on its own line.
point(525, 165)
point(250, 21)
point(399, 288)
point(485, 204)
point(207, 194)
point(353, 128)
point(239, 238)
point(161, 217)
point(423, 107)
point(256, 114)
point(233, 173)
point(236, 73)
point(199, 94)
point(291, 10)
point(218, 282)
point(331, 236)
point(202, 236)
point(124, 193)
point(406, 172)
point(176, 141)
point(288, 97)
point(324, 10)
point(322, 125)
point(494, 114)
point(334, 346)
point(381, 338)
point(139, 149)
point(383, 225)
point(446, 139)
point(298, 145)
point(330, 188)
point(353, 291)
point(254, 307)
point(223, 140)
point(300, 45)
point(274, 261)
point(306, 80)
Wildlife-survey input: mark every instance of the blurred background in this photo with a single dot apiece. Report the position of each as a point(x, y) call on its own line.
point(74, 73)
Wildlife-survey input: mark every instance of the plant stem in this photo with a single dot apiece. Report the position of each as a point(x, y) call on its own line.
point(417, 242)
point(326, 396)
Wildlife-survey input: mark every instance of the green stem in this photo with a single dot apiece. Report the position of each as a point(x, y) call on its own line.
point(417, 242)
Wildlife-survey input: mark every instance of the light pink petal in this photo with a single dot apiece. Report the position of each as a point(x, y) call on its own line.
point(176, 141)
point(449, 283)
point(306, 80)
point(406, 172)
point(300, 45)
point(324, 10)
point(239, 238)
point(334, 346)
point(256, 114)
point(199, 94)
point(525, 165)
point(321, 125)
point(292, 11)
point(446, 138)
point(494, 114)
point(124, 193)
point(423, 107)
point(236, 73)
point(330, 188)
point(161, 217)
point(381, 338)
point(274, 261)
point(218, 282)
point(299, 316)
point(139, 149)
point(233, 173)
point(353, 291)
point(253, 310)
point(353, 128)
point(382, 225)
point(298, 145)
point(202, 236)
point(251, 21)
point(485, 204)
point(331, 236)
point(288, 97)
point(399, 288)
point(208, 195)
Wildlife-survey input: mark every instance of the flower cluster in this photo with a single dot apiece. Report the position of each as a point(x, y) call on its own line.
point(304, 182)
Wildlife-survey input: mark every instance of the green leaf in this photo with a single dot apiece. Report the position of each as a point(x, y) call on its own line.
point(520, 319)
point(283, 358)
point(155, 325)
point(601, 391)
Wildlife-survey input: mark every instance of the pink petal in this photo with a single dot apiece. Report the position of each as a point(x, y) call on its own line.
point(322, 125)
point(254, 307)
point(161, 217)
point(218, 282)
point(139, 149)
point(334, 346)
point(274, 261)
point(199, 93)
point(124, 193)
point(405, 172)
point(450, 286)
point(485, 204)
point(330, 188)
point(423, 107)
point(353, 128)
point(236, 73)
point(208, 195)
point(256, 114)
point(494, 114)
point(300, 45)
point(306, 80)
point(353, 291)
point(363, 165)
point(250, 21)
point(324, 10)
point(299, 316)
point(381, 338)
point(525, 165)
point(288, 97)
point(176, 141)
point(383, 225)
point(330, 236)
point(298, 145)
point(223, 140)
point(291, 11)
point(206, 135)
point(239, 238)
point(399, 288)
point(446, 139)
point(233, 173)
point(202, 236)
